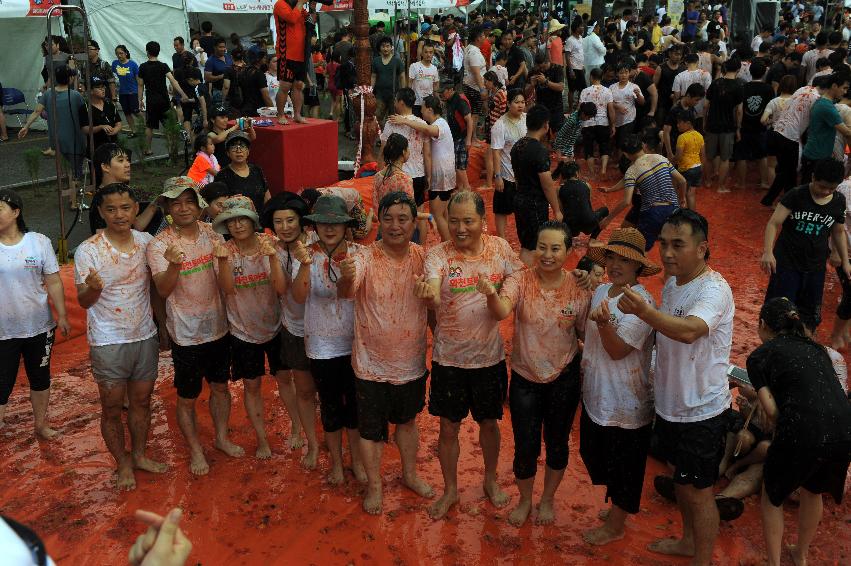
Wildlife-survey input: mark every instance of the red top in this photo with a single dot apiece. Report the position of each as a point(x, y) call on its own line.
point(486, 50)
point(289, 24)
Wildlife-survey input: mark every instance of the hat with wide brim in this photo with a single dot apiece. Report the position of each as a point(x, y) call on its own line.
point(173, 187)
point(330, 209)
point(625, 242)
point(234, 207)
point(554, 26)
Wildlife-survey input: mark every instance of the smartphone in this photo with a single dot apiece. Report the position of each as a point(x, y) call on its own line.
point(739, 375)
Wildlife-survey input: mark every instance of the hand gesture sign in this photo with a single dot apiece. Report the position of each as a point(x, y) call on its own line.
point(583, 278)
point(94, 281)
point(484, 285)
point(301, 253)
point(422, 289)
point(163, 543)
point(174, 255)
point(221, 251)
point(267, 246)
point(347, 268)
point(601, 315)
point(632, 303)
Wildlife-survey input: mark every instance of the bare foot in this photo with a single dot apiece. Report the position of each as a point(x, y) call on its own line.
point(336, 476)
point(148, 465)
point(671, 546)
point(359, 472)
point(263, 452)
point(546, 514)
point(300, 119)
point(419, 487)
point(837, 342)
point(308, 461)
point(282, 120)
point(603, 515)
point(441, 507)
point(498, 497)
point(372, 500)
point(723, 190)
point(295, 440)
point(601, 536)
point(520, 513)
point(45, 432)
point(230, 448)
point(198, 463)
point(796, 555)
point(126, 479)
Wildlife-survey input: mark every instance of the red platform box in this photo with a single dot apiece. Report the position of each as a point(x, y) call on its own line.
point(296, 156)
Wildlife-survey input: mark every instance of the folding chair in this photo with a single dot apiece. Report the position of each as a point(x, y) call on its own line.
point(13, 97)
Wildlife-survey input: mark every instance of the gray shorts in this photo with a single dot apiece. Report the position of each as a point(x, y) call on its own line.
point(133, 361)
point(719, 145)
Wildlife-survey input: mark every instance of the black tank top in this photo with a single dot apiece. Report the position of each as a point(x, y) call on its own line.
point(666, 83)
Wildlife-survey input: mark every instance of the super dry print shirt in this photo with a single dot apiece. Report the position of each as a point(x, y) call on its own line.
point(467, 335)
point(195, 312)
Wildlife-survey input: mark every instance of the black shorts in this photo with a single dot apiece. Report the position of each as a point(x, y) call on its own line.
point(420, 185)
point(694, 449)
point(461, 154)
point(598, 135)
point(442, 195)
point(290, 71)
point(247, 358)
point(36, 352)
point(503, 201)
point(615, 457)
point(752, 146)
point(155, 114)
point(529, 214)
point(456, 392)
point(129, 103)
point(293, 355)
point(187, 110)
point(381, 403)
point(335, 383)
point(210, 361)
point(789, 466)
point(474, 95)
point(577, 83)
point(621, 132)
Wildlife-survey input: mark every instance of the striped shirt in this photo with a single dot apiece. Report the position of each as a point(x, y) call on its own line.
point(498, 104)
point(567, 135)
point(651, 175)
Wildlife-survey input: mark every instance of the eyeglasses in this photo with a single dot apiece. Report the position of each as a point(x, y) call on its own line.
point(238, 147)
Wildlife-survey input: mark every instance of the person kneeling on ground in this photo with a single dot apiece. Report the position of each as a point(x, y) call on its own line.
point(575, 199)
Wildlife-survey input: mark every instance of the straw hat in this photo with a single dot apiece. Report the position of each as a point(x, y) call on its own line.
point(625, 242)
point(554, 26)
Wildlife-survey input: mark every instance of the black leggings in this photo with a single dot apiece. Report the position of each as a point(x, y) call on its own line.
point(36, 353)
point(548, 406)
point(786, 170)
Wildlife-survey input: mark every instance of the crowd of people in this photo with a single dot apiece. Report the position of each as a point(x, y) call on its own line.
point(240, 283)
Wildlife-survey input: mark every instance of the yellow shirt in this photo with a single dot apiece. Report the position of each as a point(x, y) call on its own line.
point(656, 36)
point(691, 143)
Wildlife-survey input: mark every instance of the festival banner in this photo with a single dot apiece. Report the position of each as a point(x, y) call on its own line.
point(675, 12)
point(230, 6)
point(26, 8)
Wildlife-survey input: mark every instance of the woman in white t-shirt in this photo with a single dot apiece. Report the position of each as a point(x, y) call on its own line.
point(442, 180)
point(506, 131)
point(29, 275)
point(329, 328)
point(617, 391)
point(626, 95)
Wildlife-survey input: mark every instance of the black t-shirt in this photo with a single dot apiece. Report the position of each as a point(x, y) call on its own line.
point(552, 99)
point(643, 81)
point(253, 186)
point(235, 75)
point(627, 42)
point(529, 158)
point(253, 82)
point(723, 96)
point(671, 118)
point(757, 95)
point(208, 44)
point(575, 198)
point(177, 61)
point(221, 154)
point(153, 73)
point(666, 83)
point(514, 58)
point(803, 241)
point(813, 410)
point(776, 72)
point(456, 109)
point(645, 35)
point(106, 117)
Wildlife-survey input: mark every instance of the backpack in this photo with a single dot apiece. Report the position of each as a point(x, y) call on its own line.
point(346, 76)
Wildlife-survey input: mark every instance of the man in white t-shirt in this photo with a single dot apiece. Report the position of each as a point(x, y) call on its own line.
point(694, 331)
point(474, 71)
point(181, 261)
point(575, 60)
point(418, 165)
point(424, 77)
point(113, 285)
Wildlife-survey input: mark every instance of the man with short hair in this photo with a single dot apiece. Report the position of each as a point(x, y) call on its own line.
point(694, 331)
point(536, 190)
point(686, 104)
point(153, 78)
point(753, 145)
point(389, 350)
point(387, 77)
point(101, 70)
point(692, 75)
point(808, 60)
point(825, 123)
point(215, 70)
point(181, 259)
point(468, 372)
point(574, 49)
point(515, 63)
point(462, 126)
point(113, 285)
point(418, 165)
point(723, 122)
point(764, 35)
point(207, 40)
point(475, 66)
point(179, 49)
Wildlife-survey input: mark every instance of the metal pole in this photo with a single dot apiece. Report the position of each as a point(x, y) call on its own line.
point(63, 244)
